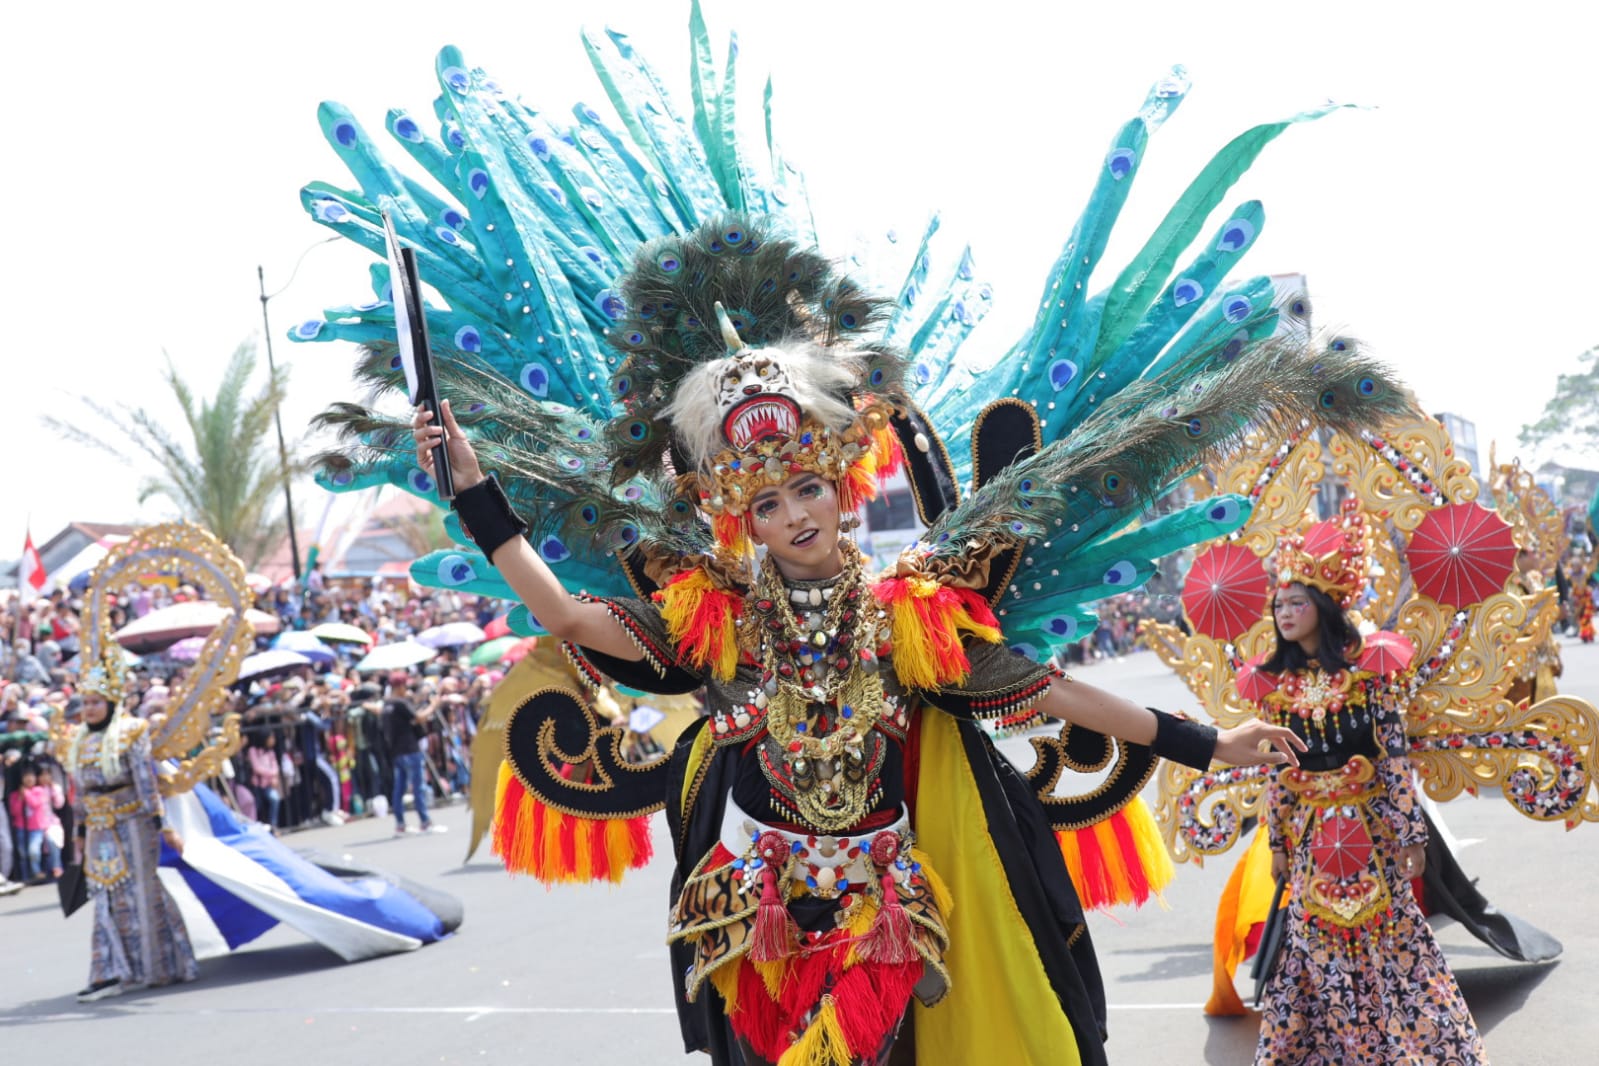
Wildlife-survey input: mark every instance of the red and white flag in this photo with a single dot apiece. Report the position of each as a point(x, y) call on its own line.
point(31, 572)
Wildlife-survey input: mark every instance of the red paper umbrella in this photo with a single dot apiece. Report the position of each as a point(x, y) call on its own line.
point(1341, 846)
point(1225, 591)
point(1383, 652)
point(1461, 554)
point(497, 628)
point(1253, 682)
point(520, 650)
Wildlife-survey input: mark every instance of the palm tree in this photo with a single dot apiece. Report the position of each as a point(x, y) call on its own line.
point(231, 479)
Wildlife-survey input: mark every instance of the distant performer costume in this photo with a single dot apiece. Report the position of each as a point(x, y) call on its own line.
point(139, 935)
point(639, 340)
point(1351, 972)
point(1542, 542)
point(155, 909)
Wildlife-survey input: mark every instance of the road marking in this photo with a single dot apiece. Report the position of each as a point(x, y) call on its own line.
point(474, 1014)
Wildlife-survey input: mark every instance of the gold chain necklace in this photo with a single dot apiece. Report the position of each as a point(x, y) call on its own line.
point(830, 774)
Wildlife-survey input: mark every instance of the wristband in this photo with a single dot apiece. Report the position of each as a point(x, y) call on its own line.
point(486, 516)
point(1183, 740)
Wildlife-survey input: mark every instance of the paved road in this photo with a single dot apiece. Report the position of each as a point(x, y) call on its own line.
point(579, 976)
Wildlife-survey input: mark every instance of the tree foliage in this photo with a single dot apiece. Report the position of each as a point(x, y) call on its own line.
point(1571, 417)
point(227, 475)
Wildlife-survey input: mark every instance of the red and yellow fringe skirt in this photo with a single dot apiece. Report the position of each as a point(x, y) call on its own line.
point(808, 980)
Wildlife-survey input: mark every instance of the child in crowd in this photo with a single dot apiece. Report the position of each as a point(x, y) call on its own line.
point(35, 813)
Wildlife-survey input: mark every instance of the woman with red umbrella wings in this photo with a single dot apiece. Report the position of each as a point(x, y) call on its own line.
point(1345, 829)
point(1420, 704)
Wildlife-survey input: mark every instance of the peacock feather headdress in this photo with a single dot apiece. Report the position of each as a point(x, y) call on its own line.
point(574, 256)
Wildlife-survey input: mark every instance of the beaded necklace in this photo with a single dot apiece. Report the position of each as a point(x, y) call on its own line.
point(1318, 699)
point(820, 675)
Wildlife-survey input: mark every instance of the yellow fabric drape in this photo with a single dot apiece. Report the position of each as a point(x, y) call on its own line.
point(1000, 1007)
point(1245, 903)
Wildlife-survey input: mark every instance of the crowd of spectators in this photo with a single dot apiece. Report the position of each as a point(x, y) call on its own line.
point(322, 743)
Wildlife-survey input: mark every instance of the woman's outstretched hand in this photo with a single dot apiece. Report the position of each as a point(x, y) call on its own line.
point(464, 467)
point(1256, 742)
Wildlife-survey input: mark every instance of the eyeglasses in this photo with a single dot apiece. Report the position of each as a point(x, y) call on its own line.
point(1290, 606)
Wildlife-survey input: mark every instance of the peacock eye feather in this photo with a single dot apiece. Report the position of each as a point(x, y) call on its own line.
point(1328, 400)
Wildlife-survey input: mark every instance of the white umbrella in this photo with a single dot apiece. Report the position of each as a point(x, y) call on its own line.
point(395, 656)
point(306, 644)
point(341, 633)
point(267, 663)
point(193, 618)
point(451, 635)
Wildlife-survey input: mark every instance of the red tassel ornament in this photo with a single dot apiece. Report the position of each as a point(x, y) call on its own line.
point(776, 935)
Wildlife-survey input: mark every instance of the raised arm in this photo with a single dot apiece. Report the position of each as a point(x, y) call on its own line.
point(590, 625)
point(1173, 738)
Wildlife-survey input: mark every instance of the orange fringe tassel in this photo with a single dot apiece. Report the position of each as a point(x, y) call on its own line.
point(1117, 860)
point(531, 838)
point(732, 532)
point(928, 620)
point(702, 619)
point(887, 453)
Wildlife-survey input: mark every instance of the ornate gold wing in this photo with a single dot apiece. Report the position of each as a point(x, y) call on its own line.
point(1464, 731)
point(195, 728)
point(1202, 814)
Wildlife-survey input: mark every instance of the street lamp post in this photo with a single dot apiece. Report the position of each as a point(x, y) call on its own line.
point(277, 415)
point(277, 418)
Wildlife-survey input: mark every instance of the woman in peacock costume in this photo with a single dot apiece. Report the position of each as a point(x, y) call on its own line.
point(1350, 971)
point(690, 405)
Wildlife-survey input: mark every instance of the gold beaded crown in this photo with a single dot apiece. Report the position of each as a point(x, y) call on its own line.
point(1330, 556)
point(737, 475)
point(108, 677)
point(748, 359)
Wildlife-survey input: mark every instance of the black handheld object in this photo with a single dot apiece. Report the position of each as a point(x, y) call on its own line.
point(1271, 943)
point(416, 356)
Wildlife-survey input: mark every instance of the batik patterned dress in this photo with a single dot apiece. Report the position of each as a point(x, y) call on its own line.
point(1360, 980)
point(139, 936)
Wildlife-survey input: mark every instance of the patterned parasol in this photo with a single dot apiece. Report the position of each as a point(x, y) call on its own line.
point(1253, 682)
point(1461, 554)
point(1225, 591)
point(1341, 846)
point(1385, 653)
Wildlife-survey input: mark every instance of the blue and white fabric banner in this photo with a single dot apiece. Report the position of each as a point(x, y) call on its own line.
point(235, 881)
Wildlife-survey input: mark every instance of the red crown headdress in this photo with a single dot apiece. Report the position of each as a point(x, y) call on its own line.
point(1331, 556)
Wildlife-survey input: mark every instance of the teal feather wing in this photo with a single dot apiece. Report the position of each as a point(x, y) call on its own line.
point(1045, 606)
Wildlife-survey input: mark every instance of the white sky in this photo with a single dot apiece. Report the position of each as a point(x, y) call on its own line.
point(157, 152)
